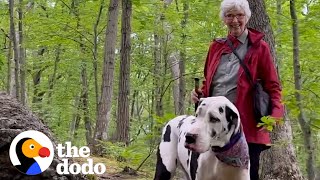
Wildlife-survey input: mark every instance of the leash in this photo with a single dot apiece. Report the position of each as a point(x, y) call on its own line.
point(196, 87)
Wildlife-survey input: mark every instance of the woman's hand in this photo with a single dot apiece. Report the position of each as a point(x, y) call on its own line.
point(195, 95)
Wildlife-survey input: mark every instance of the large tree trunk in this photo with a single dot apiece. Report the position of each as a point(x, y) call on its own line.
point(104, 106)
point(124, 81)
point(14, 119)
point(274, 163)
point(304, 124)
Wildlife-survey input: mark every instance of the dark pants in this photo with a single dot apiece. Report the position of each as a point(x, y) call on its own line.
point(254, 153)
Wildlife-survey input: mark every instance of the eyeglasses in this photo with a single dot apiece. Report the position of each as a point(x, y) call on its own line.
point(230, 17)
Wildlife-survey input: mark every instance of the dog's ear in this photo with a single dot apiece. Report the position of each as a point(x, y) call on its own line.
point(231, 117)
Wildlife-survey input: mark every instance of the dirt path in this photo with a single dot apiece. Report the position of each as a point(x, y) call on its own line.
point(115, 171)
point(118, 177)
point(127, 174)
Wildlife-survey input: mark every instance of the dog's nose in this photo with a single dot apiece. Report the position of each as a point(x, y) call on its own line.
point(191, 138)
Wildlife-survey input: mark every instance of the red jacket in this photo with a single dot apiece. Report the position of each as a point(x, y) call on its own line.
point(259, 61)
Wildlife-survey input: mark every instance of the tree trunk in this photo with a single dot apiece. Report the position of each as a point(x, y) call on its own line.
point(182, 84)
point(274, 163)
point(15, 90)
point(160, 59)
point(85, 104)
point(10, 69)
point(174, 60)
point(124, 81)
point(54, 77)
point(75, 117)
point(136, 106)
point(22, 58)
point(318, 174)
point(304, 124)
point(37, 94)
point(157, 75)
point(83, 75)
point(95, 55)
point(133, 102)
point(104, 106)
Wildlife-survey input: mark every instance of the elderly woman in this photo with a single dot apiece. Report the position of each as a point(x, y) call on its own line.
point(224, 76)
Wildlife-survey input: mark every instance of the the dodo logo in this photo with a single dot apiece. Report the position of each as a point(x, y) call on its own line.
point(31, 152)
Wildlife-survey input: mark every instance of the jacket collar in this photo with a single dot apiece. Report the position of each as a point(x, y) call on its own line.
point(253, 35)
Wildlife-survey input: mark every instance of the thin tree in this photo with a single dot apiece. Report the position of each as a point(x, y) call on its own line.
point(9, 64)
point(75, 117)
point(95, 53)
point(14, 86)
point(175, 73)
point(157, 102)
point(84, 79)
point(22, 58)
point(162, 59)
point(36, 79)
point(124, 81)
point(177, 59)
point(182, 83)
point(275, 161)
point(304, 124)
point(105, 100)
point(85, 103)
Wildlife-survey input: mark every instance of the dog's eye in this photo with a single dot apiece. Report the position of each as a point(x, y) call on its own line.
point(220, 110)
point(214, 119)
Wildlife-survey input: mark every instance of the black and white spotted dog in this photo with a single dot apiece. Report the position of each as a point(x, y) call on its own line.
point(208, 146)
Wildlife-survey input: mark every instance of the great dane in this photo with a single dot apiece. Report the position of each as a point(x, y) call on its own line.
point(208, 146)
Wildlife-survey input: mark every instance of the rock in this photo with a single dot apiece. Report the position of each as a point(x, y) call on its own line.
point(14, 119)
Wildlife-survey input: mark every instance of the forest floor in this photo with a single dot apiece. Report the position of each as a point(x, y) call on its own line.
point(117, 170)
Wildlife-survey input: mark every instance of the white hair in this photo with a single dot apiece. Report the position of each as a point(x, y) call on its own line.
point(227, 5)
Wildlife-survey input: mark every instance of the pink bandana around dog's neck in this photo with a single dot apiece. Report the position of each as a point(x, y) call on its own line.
point(235, 153)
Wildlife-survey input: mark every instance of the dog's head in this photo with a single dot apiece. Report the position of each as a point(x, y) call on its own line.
point(217, 119)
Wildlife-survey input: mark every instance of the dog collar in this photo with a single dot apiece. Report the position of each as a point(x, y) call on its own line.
point(235, 153)
point(233, 140)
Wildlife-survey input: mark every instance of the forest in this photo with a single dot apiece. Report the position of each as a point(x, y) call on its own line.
point(110, 74)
